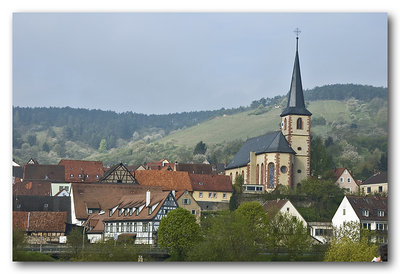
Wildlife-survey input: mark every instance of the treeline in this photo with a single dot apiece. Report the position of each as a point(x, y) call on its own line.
point(91, 126)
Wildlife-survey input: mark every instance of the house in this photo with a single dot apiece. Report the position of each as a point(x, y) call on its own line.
point(176, 181)
point(89, 199)
point(36, 172)
point(118, 174)
point(77, 171)
point(185, 200)
point(212, 192)
point(34, 203)
point(281, 157)
point(136, 216)
point(321, 231)
point(345, 180)
point(159, 165)
point(370, 212)
point(376, 184)
point(41, 227)
point(283, 206)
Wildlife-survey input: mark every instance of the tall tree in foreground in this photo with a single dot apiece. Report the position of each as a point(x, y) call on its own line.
point(178, 232)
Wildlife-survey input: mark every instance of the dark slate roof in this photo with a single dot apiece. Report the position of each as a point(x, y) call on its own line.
point(53, 173)
point(372, 204)
point(43, 203)
point(295, 97)
point(378, 178)
point(271, 142)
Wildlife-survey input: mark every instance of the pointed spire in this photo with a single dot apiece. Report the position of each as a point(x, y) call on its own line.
point(295, 97)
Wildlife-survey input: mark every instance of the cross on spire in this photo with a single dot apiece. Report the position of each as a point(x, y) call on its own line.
point(297, 31)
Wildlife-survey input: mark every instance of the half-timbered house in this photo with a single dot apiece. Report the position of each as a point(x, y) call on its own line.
point(118, 173)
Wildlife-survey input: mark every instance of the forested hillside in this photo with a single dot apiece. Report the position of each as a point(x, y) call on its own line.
point(353, 118)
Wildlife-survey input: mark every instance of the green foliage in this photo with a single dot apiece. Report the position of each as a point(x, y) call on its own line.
point(31, 139)
point(178, 232)
point(200, 148)
point(227, 238)
point(31, 256)
point(286, 232)
point(102, 146)
point(237, 189)
point(319, 159)
point(76, 239)
point(256, 218)
point(350, 244)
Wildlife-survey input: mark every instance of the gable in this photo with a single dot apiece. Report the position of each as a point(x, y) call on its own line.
point(118, 174)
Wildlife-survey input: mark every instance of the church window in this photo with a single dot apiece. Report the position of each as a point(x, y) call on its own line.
point(262, 174)
point(284, 124)
point(258, 174)
point(271, 173)
point(283, 169)
point(298, 148)
point(299, 123)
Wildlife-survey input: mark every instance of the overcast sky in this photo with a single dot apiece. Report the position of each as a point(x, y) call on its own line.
point(158, 63)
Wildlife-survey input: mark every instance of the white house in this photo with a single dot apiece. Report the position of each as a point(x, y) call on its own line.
point(283, 206)
point(370, 212)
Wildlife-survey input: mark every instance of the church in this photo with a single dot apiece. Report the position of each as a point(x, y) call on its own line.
point(281, 157)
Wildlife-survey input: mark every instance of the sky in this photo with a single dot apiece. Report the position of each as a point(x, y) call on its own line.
point(167, 62)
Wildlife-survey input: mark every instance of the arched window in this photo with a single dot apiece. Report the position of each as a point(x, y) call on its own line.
point(299, 123)
point(262, 174)
point(271, 175)
point(284, 126)
point(258, 174)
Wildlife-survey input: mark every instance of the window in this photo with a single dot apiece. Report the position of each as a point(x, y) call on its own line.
point(259, 188)
point(365, 212)
point(200, 194)
point(224, 195)
point(71, 175)
point(186, 201)
point(284, 126)
point(283, 169)
point(250, 188)
point(367, 226)
point(214, 195)
point(380, 226)
point(150, 211)
point(80, 175)
point(368, 189)
point(209, 194)
point(341, 179)
point(348, 180)
point(299, 148)
point(287, 209)
point(194, 212)
point(271, 175)
point(381, 213)
point(299, 123)
point(144, 227)
point(134, 227)
point(344, 211)
point(299, 171)
point(380, 189)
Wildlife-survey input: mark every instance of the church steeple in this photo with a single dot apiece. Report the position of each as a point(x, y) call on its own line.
point(295, 97)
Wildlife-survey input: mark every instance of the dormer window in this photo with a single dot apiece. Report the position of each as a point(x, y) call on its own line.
point(365, 213)
point(71, 175)
point(80, 175)
point(381, 213)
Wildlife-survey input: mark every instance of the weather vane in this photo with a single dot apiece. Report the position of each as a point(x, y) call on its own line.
point(297, 31)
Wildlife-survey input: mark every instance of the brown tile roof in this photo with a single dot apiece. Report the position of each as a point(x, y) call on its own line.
point(273, 206)
point(52, 173)
point(37, 188)
point(195, 168)
point(168, 180)
point(157, 197)
point(158, 165)
point(377, 178)
point(82, 171)
point(339, 171)
point(103, 196)
point(370, 203)
point(40, 221)
point(207, 182)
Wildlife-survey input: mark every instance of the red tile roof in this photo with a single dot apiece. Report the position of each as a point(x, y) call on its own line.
point(37, 188)
point(82, 171)
point(103, 196)
point(168, 180)
point(207, 182)
point(38, 221)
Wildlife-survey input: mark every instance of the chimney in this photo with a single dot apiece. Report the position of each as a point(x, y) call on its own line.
point(147, 198)
point(253, 172)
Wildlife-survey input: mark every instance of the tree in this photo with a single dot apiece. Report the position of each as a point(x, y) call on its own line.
point(46, 147)
point(227, 238)
point(103, 146)
point(200, 148)
point(287, 232)
point(31, 139)
point(75, 240)
point(178, 232)
point(256, 218)
point(350, 244)
point(237, 189)
point(319, 159)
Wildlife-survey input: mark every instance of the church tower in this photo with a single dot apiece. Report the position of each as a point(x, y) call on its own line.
point(296, 124)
